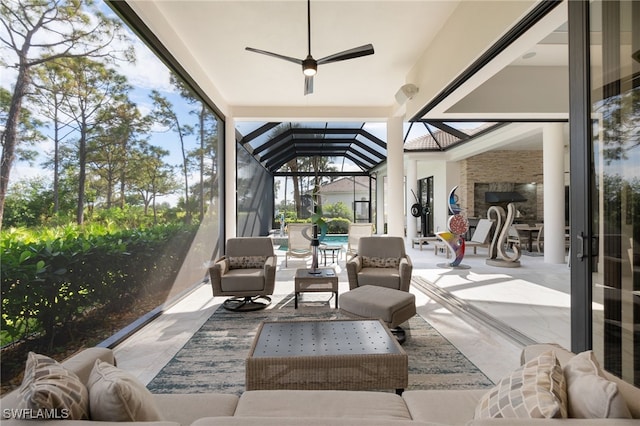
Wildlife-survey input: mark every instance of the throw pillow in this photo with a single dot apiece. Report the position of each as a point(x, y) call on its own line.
point(117, 396)
point(590, 394)
point(380, 262)
point(51, 390)
point(245, 262)
point(536, 389)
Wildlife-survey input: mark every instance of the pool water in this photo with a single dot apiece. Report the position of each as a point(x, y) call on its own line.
point(332, 239)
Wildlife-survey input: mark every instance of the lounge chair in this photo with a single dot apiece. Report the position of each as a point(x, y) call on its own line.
point(356, 231)
point(298, 245)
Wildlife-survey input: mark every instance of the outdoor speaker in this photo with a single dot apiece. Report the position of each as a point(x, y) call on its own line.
point(406, 92)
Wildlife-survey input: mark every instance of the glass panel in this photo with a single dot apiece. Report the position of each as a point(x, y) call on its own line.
point(414, 131)
point(246, 127)
point(470, 128)
point(255, 196)
point(379, 130)
point(616, 205)
point(425, 189)
point(131, 217)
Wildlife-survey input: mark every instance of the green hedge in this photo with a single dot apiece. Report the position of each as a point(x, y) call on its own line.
point(336, 225)
point(51, 276)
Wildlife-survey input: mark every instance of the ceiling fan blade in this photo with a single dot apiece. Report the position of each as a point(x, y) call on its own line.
point(275, 55)
point(308, 85)
point(356, 52)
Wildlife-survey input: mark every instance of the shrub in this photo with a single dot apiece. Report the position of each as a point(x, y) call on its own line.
point(50, 277)
point(338, 225)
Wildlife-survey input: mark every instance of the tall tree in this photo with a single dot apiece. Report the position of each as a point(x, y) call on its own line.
point(38, 31)
point(151, 176)
point(292, 167)
point(28, 128)
point(91, 89)
point(111, 150)
point(49, 97)
point(207, 134)
point(165, 114)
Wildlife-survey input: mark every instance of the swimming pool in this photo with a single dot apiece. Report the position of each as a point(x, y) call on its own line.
point(333, 239)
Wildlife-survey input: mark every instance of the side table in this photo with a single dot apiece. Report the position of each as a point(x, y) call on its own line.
point(334, 249)
point(320, 280)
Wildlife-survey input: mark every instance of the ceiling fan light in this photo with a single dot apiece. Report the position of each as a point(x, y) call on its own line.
point(309, 66)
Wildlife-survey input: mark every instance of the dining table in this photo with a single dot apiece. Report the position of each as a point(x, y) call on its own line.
point(531, 231)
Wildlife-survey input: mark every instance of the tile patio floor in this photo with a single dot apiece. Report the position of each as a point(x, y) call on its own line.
point(530, 303)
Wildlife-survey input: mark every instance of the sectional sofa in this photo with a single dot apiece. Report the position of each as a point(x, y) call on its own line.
point(116, 397)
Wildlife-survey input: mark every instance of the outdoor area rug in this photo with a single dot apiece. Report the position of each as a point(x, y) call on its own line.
point(213, 360)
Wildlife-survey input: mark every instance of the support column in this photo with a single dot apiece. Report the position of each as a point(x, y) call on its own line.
point(380, 203)
point(395, 168)
point(230, 199)
point(412, 188)
point(553, 172)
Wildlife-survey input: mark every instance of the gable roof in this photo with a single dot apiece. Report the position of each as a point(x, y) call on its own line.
point(346, 185)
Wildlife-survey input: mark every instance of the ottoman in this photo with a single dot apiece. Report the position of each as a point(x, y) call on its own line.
point(391, 306)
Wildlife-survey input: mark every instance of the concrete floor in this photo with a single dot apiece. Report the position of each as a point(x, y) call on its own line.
point(487, 312)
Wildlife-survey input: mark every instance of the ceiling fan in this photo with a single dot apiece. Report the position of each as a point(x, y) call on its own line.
point(309, 64)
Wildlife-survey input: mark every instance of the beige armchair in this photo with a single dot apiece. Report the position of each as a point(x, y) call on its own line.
point(380, 261)
point(247, 273)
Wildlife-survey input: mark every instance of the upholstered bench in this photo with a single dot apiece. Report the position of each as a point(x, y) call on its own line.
point(391, 306)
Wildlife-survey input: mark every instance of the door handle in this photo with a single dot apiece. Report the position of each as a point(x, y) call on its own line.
point(583, 250)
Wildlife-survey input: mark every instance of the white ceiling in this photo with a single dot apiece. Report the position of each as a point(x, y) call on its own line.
point(208, 37)
point(217, 32)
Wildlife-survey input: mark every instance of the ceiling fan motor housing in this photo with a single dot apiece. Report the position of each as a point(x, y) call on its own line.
point(309, 66)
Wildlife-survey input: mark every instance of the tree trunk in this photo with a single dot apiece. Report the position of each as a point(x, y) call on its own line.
point(202, 113)
point(56, 163)
point(10, 135)
point(82, 175)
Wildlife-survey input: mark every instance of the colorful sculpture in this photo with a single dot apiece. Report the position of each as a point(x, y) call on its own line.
point(457, 226)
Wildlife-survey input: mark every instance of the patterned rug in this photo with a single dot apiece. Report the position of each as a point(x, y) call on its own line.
point(213, 359)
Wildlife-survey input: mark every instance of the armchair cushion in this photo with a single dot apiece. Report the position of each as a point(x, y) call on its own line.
point(241, 280)
point(380, 262)
point(247, 262)
point(383, 277)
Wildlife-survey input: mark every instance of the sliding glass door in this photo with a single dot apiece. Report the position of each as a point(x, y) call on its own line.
point(615, 202)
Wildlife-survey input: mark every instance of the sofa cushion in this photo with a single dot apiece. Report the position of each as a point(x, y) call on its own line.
point(117, 396)
point(448, 406)
point(186, 408)
point(319, 403)
point(536, 389)
point(306, 421)
point(589, 394)
point(50, 388)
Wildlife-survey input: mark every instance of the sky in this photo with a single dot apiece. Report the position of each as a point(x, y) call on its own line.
point(146, 74)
